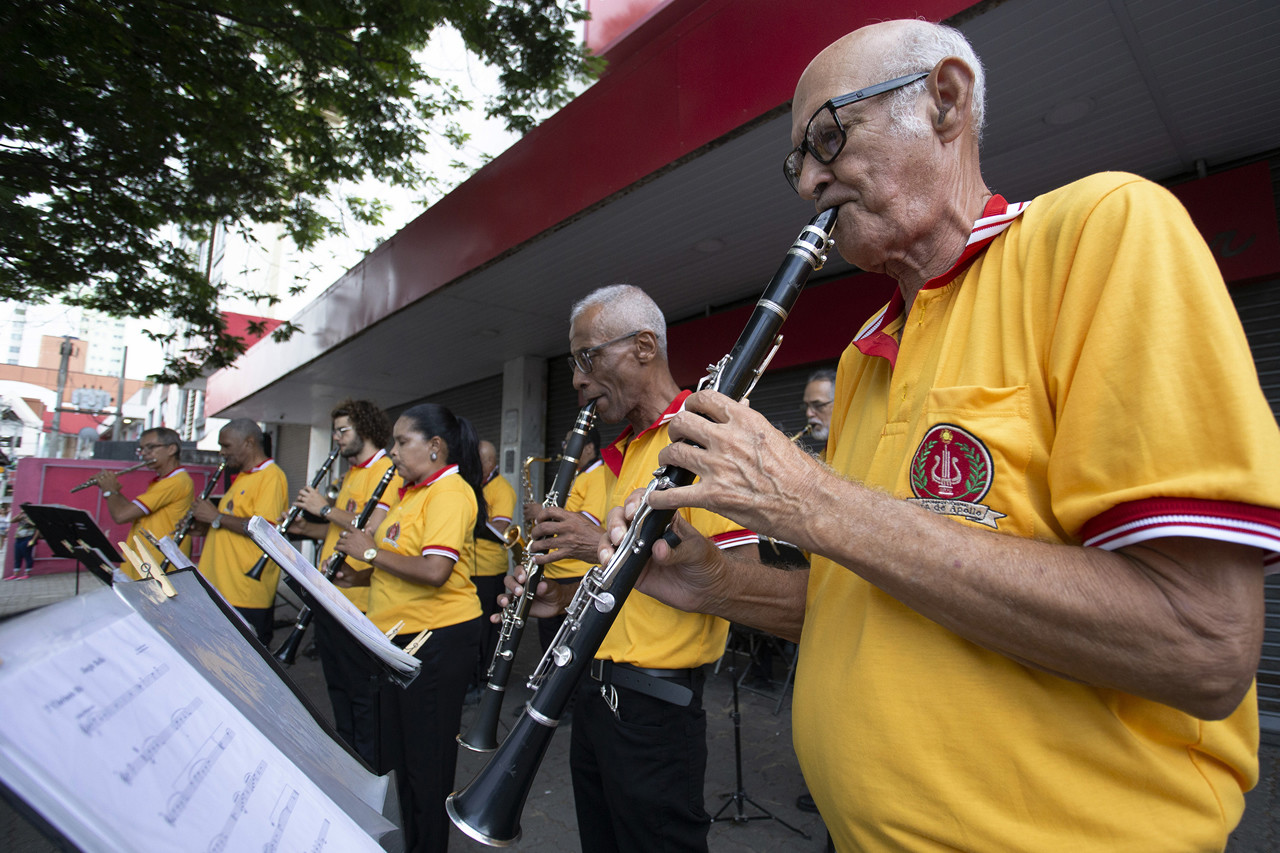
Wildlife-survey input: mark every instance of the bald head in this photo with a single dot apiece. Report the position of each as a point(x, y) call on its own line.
point(890, 49)
point(488, 457)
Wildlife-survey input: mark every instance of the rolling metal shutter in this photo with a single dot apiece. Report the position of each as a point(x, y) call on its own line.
point(479, 402)
point(777, 396)
point(1259, 308)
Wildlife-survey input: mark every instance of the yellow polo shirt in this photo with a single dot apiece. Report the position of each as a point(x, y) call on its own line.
point(1081, 377)
point(647, 632)
point(437, 516)
point(165, 501)
point(227, 556)
point(500, 498)
point(356, 489)
point(589, 496)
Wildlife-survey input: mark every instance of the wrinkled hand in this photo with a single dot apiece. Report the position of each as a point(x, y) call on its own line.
point(560, 534)
point(549, 599)
point(691, 576)
point(204, 511)
point(312, 500)
point(353, 542)
point(748, 471)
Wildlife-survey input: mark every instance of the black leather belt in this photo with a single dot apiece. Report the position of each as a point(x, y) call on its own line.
point(661, 684)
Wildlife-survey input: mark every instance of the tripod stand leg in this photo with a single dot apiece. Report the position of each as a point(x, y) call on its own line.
point(739, 796)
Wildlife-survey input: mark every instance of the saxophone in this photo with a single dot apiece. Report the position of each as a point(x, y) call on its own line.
point(488, 809)
point(483, 734)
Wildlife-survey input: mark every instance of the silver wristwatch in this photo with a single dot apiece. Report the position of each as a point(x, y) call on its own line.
point(216, 524)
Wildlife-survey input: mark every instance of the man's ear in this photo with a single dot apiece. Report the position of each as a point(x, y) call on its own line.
point(646, 346)
point(950, 87)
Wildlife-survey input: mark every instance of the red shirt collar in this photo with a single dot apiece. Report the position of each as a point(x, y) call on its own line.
point(997, 215)
point(179, 470)
point(616, 452)
point(265, 463)
point(372, 459)
point(443, 472)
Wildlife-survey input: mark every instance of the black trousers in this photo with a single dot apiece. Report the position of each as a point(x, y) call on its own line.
point(261, 620)
point(420, 726)
point(352, 681)
point(638, 777)
point(488, 588)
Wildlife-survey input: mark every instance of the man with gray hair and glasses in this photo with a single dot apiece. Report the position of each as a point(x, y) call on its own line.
point(163, 503)
point(1035, 606)
point(638, 753)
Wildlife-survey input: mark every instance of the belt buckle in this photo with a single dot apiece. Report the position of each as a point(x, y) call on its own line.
point(597, 668)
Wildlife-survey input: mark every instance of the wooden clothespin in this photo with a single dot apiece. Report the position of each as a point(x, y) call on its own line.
point(394, 629)
point(417, 642)
point(145, 569)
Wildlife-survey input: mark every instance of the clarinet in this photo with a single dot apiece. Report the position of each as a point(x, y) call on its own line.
point(283, 527)
point(483, 735)
point(488, 809)
point(288, 651)
point(184, 526)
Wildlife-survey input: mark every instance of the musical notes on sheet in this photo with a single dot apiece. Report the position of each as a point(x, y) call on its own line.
point(166, 757)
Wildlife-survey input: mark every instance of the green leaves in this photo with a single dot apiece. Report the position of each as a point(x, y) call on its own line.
point(129, 128)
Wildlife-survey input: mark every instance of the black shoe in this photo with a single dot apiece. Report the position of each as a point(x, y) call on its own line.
point(805, 803)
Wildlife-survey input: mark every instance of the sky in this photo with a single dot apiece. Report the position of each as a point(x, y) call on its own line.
point(255, 269)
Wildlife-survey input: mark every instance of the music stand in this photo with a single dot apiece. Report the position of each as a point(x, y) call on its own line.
point(738, 798)
point(73, 534)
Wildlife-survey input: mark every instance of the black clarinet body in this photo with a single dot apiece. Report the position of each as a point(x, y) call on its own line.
point(184, 526)
point(283, 527)
point(483, 734)
point(488, 809)
point(288, 651)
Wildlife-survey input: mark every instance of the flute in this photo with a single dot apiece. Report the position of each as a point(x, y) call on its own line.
point(93, 481)
point(488, 809)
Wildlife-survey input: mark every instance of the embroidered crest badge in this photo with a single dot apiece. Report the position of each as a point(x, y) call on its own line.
point(951, 473)
point(393, 533)
point(351, 504)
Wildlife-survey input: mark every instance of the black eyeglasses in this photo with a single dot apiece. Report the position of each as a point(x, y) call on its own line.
point(143, 448)
point(581, 360)
point(824, 136)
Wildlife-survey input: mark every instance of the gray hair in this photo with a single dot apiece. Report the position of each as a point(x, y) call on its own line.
point(626, 305)
point(923, 46)
point(822, 374)
point(245, 428)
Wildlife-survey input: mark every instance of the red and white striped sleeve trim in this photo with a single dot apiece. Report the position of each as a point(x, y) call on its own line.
point(440, 551)
point(591, 518)
point(497, 518)
point(383, 505)
point(140, 505)
point(734, 538)
point(1222, 521)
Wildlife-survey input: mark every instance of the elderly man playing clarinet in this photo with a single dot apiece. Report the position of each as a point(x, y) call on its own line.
point(1035, 605)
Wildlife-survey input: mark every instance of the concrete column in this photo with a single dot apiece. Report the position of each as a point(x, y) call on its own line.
point(524, 410)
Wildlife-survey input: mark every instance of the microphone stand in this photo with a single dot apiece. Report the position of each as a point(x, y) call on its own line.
point(739, 797)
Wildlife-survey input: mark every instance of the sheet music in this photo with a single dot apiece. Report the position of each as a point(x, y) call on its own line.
point(154, 754)
point(329, 597)
point(172, 553)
